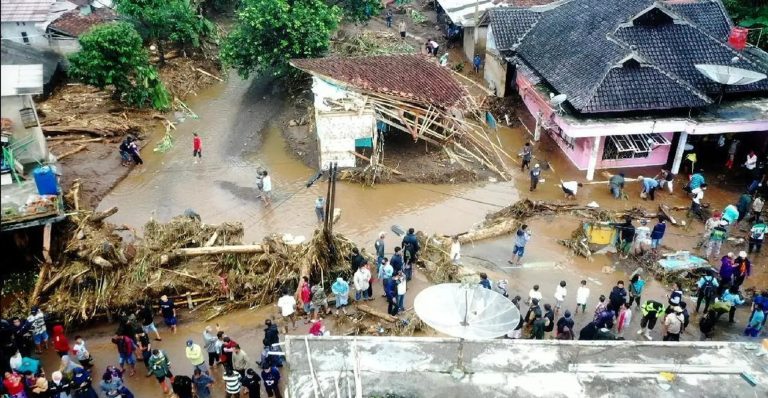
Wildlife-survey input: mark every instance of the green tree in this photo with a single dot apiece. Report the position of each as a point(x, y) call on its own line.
point(269, 33)
point(161, 21)
point(113, 55)
point(751, 14)
point(358, 10)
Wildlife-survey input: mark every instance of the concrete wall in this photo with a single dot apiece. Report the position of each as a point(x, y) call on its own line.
point(446, 367)
point(65, 45)
point(37, 150)
point(336, 134)
point(475, 44)
point(12, 31)
point(495, 68)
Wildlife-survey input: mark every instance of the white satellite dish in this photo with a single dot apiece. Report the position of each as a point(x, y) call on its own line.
point(557, 100)
point(729, 75)
point(466, 311)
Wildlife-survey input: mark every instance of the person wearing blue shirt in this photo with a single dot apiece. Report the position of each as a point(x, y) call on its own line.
point(476, 62)
point(340, 289)
point(658, 233)
point(636, 285)
point(650, 186)
point(731, 296)
point(696, 180)
point(484, 281)
point(760, 304)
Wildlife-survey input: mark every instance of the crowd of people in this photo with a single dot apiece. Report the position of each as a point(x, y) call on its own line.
point(213, 356)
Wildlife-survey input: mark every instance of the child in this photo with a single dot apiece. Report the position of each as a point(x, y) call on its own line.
point(82, 354)
point(625, 317)
point(560, 293)
point(582, 294)
point(455, 250)
point(534, 294)
point(60, 341)
point(197, 147)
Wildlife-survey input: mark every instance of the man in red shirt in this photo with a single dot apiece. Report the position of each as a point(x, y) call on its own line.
point(226, 351)
point(197, 147)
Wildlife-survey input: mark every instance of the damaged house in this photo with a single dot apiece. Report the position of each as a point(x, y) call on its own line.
point(359, 100)
point(632, 83)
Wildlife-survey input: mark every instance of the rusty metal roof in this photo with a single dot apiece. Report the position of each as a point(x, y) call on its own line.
point(411, 77)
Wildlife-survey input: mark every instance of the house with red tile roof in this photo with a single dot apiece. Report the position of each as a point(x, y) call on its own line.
point(359, 100)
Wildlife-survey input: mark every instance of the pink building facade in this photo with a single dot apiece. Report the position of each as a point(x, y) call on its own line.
point(586, 141)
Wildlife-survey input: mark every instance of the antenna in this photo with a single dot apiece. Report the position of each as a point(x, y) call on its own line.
point(727, 75)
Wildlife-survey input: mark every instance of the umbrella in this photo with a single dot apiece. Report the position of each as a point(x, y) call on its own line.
point(466, 311)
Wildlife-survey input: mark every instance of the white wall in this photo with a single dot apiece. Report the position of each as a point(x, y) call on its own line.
point(11, 31)
point(35, 151)
point(65, 45)
point(336, 134)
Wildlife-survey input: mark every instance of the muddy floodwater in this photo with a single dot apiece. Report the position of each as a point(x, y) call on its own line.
point(237, 123)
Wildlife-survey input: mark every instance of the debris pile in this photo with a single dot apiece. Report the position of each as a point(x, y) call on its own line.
point(369, 43)
point(101, 273)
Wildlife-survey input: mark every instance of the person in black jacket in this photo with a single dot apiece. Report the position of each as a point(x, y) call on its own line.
point(252, 382)
point(411, 248)
point(271, 333)
point(617, 297)
point(549, 314)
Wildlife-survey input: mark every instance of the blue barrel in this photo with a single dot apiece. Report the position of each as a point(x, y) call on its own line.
point(46, 181)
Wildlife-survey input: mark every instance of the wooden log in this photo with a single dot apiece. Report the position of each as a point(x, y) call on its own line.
point(207, 74)
point(367, 159)
point(72, 152)
point(664, 209)
point(378, 314)
point(505, 227)
point(68, 130)
point(98, 217)
point(201, 251)
point(212, 240)
point(44, 270)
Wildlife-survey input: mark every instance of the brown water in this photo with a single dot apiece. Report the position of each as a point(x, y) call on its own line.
point(238, 136)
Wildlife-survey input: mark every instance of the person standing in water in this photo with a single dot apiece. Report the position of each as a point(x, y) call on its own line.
point(197, 147)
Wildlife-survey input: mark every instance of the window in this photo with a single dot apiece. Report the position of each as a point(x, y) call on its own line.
point(632, 146)
point(24, 37)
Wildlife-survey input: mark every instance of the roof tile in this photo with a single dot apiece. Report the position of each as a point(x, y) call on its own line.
point(412, 77)
point(24, 10)
point(74, 24)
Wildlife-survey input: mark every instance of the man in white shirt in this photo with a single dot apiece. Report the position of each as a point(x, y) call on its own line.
point(570, 188)
point(697, 194)
point(287, 305)
point(534, 294)
point(39, 333)
point(266, 188)
point(582, 294)
point(642, 238)
point(361, 280)
point(560, 293)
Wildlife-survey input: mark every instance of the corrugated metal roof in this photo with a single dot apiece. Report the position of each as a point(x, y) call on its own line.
point(21, 79)
point(462, 12)
point(24, 10)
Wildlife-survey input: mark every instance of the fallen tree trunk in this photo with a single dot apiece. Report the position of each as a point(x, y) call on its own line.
point(72, 152)
point(201, 251)
point(505, 227)
point(98, 217)
point(370, 311)
point(67, 130)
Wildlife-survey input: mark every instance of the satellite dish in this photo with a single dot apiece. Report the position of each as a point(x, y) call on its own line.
point(557, 100)
point(466, 311)
point(728, 75)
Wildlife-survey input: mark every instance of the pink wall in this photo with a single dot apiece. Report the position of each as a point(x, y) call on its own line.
point(582, 148)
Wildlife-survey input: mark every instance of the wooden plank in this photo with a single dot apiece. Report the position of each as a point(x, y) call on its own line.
point(201, 251)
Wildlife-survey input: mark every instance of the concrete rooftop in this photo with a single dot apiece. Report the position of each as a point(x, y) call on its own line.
point(445, 367)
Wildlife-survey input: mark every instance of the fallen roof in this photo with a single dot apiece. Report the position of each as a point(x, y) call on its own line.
point(21, 54)
point(24, 10)
point(624, 55)
point(411, 77)
point(73, 23)
point(448, 367)
point(21, 79)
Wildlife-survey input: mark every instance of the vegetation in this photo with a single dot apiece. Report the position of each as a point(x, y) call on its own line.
point(277, 31)
point(161, 21)
point(358, 10)
point(112, 55)
point(751, 14)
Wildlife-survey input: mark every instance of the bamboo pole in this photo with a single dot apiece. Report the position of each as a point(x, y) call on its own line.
point(201, 251)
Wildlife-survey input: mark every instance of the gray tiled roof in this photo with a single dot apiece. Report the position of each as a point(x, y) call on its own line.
point(640, 87)
point(576, 48)
point(708, 15)
point(509, 25)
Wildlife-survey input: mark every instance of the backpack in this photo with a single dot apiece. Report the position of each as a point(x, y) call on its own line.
point(708, 290)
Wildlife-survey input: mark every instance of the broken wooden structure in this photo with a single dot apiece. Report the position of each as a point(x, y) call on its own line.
point(358, 100)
